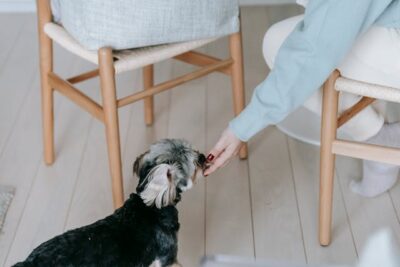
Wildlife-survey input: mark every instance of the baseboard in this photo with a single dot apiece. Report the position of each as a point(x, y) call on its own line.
point(21, 6)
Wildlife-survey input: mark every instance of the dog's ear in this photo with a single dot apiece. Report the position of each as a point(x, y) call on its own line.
point(160, 189)
point(137, 166)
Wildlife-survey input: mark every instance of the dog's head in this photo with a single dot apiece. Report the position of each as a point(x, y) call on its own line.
point(168, 168)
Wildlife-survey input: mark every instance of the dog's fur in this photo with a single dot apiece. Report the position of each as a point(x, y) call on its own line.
point(144, 231)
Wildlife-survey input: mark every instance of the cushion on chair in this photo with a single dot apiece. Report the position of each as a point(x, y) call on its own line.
point(124, 24)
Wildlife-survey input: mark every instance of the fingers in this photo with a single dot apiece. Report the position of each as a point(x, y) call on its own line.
point(227, 146)
point(217, 150)
point(220, 161)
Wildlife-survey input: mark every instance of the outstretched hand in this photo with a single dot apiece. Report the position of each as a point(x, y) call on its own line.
point(226, 148)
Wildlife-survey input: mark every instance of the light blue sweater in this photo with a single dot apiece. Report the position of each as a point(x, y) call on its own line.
point(309, 55)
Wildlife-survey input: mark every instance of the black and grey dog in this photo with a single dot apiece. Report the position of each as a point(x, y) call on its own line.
point(144, 231)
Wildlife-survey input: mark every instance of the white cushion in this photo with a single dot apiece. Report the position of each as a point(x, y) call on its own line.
point(124, 24)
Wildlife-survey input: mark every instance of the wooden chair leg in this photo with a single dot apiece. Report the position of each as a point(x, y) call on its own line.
point(327, 163)
point(109, 95)
point(237, 76)
point(148, 82)
point(46, 66)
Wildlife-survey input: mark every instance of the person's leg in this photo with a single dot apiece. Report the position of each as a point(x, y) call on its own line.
point(361, 127)
point(369, 124)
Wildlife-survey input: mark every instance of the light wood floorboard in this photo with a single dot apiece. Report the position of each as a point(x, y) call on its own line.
point(187, 120)
point(366, 215)
point(16, 58)
point(54, 185)
point(229, 227)
point(274, 205)
point(10, 35)
point(305, 164)
point(23, 148)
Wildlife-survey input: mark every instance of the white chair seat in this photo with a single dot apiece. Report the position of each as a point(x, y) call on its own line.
point(126, 59)
point(366, 89)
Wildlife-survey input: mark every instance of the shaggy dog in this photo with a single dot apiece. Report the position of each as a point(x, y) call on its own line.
point(143, 232)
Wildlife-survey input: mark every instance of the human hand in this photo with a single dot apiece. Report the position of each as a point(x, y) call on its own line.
point(226, 148)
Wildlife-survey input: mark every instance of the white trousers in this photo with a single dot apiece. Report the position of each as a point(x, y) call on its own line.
point(374, 58)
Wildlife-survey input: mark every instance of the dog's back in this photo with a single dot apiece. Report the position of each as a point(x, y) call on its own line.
point(135, 235)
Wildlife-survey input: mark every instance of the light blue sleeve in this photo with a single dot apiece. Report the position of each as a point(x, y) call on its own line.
point(305, 60)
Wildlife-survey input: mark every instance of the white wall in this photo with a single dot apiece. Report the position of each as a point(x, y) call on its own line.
point(29, 5)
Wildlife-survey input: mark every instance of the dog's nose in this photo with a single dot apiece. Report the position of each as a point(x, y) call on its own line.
point(202, 160)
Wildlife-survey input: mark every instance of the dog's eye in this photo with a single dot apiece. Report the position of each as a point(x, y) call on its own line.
point(179, 167)
point(170, 162)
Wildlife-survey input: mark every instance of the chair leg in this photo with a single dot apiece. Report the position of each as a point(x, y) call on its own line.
point(107, 78)
point(46, 62)
point(237, 76)
point(327, 160)
point(148, 82)
point(46, 66)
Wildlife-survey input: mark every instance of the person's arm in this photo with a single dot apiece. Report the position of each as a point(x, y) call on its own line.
point(307, 57)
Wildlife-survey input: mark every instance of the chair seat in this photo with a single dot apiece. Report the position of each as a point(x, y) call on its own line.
point(366, 89)
point(126, 59)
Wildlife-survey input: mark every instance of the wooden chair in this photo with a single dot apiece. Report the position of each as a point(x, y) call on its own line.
point(113, 62)
point(331, 146)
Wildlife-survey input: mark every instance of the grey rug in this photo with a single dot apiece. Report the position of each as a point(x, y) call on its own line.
point(6, 196)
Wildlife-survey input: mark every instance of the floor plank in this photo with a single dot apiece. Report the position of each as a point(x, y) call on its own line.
point(24, 148)
point(229, 227)
point(17, 71)
point(275, 211)
point(305, 160)
point(366, 215)
point(54, 185)
point(187, 121)
point(11, 35)
point(274, 204)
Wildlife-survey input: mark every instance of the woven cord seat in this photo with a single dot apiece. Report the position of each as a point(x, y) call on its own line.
point(367, 89)
point(125, 59)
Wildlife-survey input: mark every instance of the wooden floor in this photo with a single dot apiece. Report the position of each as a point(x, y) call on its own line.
point(265, 207)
